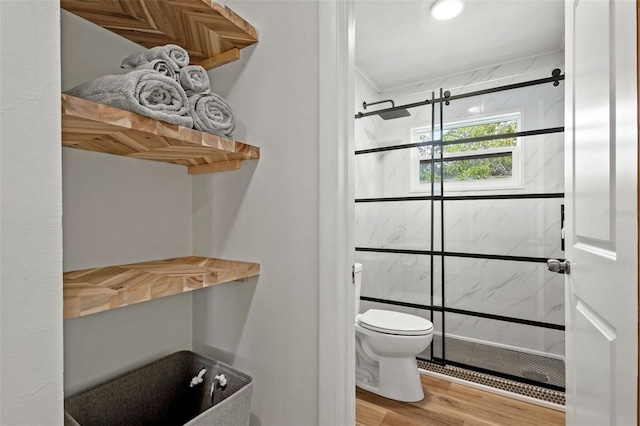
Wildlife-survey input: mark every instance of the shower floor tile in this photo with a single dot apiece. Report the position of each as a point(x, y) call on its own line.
point(532, 368)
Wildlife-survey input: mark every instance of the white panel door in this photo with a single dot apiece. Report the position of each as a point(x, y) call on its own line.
point(601, 203)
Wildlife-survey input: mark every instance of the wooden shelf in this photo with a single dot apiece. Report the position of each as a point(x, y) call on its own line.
point(100, 128)
point(209, 31)
point(100, 289)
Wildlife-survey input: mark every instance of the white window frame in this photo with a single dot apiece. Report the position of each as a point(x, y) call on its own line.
point(514, 182)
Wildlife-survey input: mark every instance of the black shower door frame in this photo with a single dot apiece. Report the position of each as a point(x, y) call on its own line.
point(437, 196)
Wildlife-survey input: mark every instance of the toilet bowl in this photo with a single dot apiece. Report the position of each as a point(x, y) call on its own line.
point(387, 343)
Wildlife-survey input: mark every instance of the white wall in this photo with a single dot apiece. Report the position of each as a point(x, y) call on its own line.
point(267, 212)
point(119, 210)
point(503, 227)
point(30, 220)
point(90, 51)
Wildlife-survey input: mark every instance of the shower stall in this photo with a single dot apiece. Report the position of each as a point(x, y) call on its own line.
point(459, 206)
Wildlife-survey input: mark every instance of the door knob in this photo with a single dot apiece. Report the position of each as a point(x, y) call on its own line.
point(559, 266)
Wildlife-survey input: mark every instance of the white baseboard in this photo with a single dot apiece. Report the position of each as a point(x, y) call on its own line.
point(496, 391)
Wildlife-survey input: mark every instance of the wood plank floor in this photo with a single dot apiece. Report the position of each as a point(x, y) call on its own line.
point(452, 404)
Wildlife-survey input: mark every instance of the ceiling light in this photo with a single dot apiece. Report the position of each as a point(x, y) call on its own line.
point(446, 9)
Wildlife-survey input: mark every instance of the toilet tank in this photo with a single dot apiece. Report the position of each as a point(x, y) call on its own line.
point(357, 281)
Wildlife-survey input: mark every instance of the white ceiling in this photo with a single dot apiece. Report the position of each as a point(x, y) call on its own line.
point(398, 43)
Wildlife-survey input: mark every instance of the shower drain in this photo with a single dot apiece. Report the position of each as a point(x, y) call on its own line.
point(534, 375)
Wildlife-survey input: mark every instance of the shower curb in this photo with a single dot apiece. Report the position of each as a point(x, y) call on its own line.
point(531, 391)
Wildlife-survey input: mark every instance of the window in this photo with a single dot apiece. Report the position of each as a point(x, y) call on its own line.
point(482, 165)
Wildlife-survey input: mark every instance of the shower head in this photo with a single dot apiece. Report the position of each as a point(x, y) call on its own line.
point(389, 113)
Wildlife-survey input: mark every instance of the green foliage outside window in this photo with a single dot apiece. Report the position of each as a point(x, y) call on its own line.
point(498, 167)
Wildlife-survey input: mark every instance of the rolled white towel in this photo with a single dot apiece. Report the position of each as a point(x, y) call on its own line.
point(211, 114)
point(145, 92)
point(194, 79)
point(173, 54)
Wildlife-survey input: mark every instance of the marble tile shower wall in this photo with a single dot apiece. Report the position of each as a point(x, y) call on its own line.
point(528, 227)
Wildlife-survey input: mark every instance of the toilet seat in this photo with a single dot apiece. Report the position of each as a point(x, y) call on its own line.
point(398, 323)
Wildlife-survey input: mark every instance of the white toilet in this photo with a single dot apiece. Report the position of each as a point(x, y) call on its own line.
point(387, 343)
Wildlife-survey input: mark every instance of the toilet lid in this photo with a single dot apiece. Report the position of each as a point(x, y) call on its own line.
point(391, 322)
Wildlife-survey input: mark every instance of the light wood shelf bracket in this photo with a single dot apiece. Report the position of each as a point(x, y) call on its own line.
point(100, 289)
point(100, 128)
point(221, 59)
point(217, 167)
